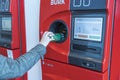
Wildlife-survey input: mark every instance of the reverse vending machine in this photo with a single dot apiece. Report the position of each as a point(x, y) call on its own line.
point(12, 29)
point(88, 48)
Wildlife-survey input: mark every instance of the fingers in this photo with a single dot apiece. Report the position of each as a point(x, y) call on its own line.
point(45, 33)
point(50, 35)
point(47, 37)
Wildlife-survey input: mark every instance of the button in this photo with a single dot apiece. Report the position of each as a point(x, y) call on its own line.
point(88, 65)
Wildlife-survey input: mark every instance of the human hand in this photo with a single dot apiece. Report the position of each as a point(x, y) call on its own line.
point(47, 38)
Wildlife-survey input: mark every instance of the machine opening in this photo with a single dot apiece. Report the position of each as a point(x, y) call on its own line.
point(59, 28)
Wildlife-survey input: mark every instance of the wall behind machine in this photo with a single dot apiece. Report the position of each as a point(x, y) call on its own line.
point(32, 33)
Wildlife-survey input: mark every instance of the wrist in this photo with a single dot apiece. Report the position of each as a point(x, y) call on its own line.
point(43, 44)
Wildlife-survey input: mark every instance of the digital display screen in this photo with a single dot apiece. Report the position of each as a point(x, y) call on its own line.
point(88, 28)
point(4, 5)
point(6, 23)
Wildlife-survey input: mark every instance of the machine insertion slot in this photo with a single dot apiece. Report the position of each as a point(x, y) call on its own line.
point(85, 48)
point(59, 28)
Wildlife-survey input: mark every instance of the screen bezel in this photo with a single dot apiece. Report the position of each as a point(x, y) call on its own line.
point(89, 18)
point(84, 15)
